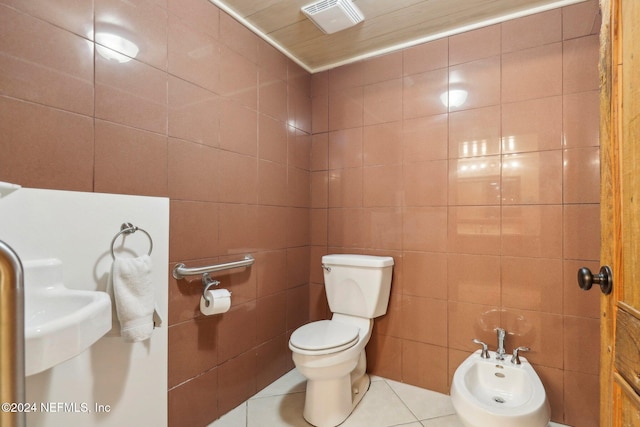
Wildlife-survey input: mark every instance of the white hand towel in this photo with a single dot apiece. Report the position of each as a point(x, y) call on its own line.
point(134, 297)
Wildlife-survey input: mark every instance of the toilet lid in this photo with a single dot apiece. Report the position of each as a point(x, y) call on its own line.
point(325, 335)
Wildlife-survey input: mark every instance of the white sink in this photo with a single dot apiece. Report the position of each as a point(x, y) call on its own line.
point(60, 323)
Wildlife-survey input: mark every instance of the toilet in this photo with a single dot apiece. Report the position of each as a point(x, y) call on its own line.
point(331, 353)
point(499, 393)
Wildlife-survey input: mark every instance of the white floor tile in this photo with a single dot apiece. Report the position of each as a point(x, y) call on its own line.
point(448, 421)
point(380, 407)
point(276, 411)
point(291, 382)
point(234, 418)
point(387, 404)
point(424, 404)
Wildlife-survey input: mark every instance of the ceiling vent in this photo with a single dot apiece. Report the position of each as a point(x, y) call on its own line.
point(333, 15)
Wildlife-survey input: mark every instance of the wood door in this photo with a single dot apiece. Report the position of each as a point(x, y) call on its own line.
point(620, 212)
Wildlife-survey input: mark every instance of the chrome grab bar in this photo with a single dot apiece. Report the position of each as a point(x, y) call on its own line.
point(12, 388)
point(180, 271)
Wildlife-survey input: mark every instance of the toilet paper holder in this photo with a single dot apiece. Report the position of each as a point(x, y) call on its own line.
point(207, 282)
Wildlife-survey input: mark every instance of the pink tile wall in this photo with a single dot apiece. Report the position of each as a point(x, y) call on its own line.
point(206, 114)
point(488, 207)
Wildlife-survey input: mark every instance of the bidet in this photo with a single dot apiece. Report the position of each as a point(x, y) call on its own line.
point(499, 393)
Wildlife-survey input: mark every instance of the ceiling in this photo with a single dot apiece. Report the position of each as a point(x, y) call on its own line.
point(388, 25)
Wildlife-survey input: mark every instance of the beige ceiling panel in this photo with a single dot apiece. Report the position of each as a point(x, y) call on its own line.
point(275, 17)
point(286, 13)
point(376, 8)
point(432, 16)
point(387, 24)
point(247, 8)
point(402, 25)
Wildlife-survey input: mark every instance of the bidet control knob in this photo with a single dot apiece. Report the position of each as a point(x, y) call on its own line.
point(516, 358)
point(485, 350)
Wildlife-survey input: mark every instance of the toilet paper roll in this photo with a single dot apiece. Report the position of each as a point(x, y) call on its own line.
point(220, 302)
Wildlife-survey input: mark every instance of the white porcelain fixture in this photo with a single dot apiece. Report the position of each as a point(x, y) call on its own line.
point(499, 393)
point(59, 322)
point(330, 353)
point(7, 188)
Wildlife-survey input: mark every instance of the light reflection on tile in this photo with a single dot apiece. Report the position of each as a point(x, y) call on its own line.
point(532, 178)
point(474, 181)
point(137, 30)
point(45, 64)
point(532, 125)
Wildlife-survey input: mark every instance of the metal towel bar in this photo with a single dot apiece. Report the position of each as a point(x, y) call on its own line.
point(180, 270)
point(128, 228)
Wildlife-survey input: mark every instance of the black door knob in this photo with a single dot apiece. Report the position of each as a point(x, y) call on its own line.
point(604, 278)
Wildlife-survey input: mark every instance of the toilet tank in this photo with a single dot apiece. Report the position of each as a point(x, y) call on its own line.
point(357, 285)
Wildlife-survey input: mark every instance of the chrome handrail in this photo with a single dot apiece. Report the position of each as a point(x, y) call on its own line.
point(12, 370)
point(180, 270)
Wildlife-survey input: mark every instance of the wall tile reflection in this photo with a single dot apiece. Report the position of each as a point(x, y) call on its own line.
point(135, 30)
point(532, 178)
point(474, 229)
point(425, 138)
point(532, 73)
point(131, 93)
point(532, 125)
point(45, 64)
point(421, 94)
point(474, 132)
point(532, 231)
point(480, 80)
point(474, 181)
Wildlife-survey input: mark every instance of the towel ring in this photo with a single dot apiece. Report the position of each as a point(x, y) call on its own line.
point(128, 228)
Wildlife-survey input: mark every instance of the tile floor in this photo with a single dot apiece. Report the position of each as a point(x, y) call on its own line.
point(387, 403)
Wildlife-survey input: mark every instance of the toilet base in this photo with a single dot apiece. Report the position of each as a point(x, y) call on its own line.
point(335, 382)
point(329, 402)
point(359, 389)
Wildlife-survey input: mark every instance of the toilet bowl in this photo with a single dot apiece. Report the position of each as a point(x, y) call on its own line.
point(498, 393)
point(331, 353)
point(336, 378)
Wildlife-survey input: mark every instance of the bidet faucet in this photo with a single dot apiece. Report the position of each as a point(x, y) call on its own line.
point(485, 349)
point(500, 351)
point(516, 357)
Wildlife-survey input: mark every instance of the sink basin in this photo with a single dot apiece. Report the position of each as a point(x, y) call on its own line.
point(60, 323)
point(500, 385)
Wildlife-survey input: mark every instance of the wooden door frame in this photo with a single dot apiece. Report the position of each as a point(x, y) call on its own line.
point(614, 390)
point(609, 210)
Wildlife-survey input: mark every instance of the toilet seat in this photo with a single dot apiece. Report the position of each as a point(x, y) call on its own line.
point(324, 337)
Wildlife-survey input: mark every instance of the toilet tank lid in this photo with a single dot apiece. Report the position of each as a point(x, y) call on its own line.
point(358, 260)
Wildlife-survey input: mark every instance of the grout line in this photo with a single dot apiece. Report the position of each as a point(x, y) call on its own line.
point(401, 400)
